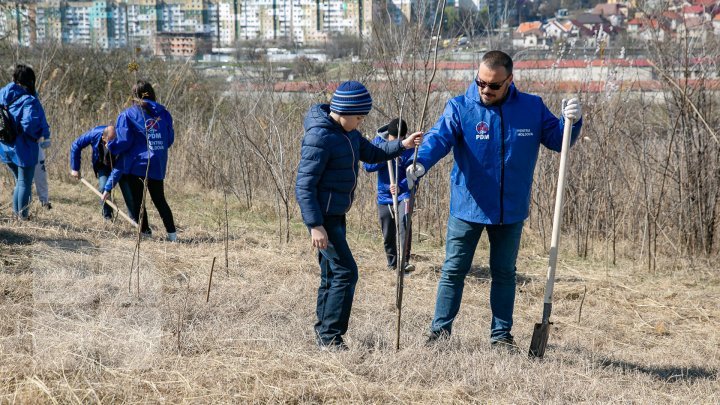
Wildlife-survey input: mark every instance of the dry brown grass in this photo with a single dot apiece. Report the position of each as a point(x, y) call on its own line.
point(71, 332)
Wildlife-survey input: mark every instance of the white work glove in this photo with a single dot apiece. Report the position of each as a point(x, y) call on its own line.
point(571, 109)
point(44, 143)
point(413, 175)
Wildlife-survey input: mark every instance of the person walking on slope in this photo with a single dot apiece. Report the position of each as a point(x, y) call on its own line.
point(495, 132)
point(30, 126)
point(327, 175)
point(386, 191)
point(144, 133)
point(102, 163)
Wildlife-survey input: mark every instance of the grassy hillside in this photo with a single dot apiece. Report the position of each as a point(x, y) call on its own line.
point(70, 331)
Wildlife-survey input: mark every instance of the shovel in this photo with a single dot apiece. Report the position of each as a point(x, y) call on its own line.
point(541, 332)
point(110, 203)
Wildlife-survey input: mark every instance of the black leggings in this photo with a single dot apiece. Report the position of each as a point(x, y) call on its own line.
point(156, 189)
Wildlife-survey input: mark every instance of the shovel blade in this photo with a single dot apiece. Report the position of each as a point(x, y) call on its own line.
point(539, 340)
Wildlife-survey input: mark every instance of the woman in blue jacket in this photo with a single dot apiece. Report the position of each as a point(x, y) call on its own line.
point(385, 190)
point(325, 187)
point(144, 135)
point(102, 163)
point(31, 125)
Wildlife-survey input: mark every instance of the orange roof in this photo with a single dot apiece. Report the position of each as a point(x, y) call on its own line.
point(693, 9)
point(672, 15)
point(529, 26)
point(705, 3)
point(635, 21)
point(716, 18)
point(459, 86)
point(524, 64)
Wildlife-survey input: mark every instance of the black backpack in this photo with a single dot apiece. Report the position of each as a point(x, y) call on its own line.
point(8, 132)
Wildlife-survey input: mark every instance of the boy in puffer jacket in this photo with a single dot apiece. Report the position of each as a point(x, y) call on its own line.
point(325, 187)
point(386, 190)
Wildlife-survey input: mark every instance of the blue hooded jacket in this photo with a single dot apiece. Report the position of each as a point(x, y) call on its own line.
point(495, 149)
point(137, 128)
point(328, 168)
point(30, 124)
point(384, 196)
point(92, 138)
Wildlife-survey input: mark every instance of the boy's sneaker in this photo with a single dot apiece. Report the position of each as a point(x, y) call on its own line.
point(146, 234)
point(46, 205)
point(335, 345)
point(409, 268)
point(172, 237)
point(505, 343)
point(434, 338)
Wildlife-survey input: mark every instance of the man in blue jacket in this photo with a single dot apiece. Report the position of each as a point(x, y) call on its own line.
point(102, 162)
point(386, 133)
point(495, 132)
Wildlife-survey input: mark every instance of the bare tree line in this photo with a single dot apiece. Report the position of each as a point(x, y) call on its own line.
point(644, 182)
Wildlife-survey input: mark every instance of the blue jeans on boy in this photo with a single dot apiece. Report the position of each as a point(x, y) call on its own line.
point(23, 188)
point(462, 240)
point(338, 277)
point(103, 174)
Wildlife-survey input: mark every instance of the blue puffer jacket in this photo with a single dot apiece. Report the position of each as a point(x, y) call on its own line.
point(91, 138)
point(30, 123)
point(495, 150)
point(383, 183)
point(137, 127)
point(328, 169)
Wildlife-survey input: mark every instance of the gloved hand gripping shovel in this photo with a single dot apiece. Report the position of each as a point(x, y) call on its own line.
point(541, 332)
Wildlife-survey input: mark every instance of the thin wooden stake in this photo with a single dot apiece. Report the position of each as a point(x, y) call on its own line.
point(227, 236)
point(212, 269)
point(582, 301)
point(181, 315)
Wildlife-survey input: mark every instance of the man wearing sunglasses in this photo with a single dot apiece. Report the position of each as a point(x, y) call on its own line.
point(495, 132)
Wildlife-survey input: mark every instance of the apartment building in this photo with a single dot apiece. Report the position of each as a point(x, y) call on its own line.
point(136, 23)
point(186, 45)
point(15, 24)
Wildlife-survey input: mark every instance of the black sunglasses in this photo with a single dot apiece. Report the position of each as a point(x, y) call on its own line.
point(492, 86)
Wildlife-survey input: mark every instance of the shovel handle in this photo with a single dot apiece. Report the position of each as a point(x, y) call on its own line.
point(108, 202)
point(557, 216)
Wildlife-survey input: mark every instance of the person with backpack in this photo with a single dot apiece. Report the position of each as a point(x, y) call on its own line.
point(385, 191)
point(144, 133)
point(325, 187)
point(102, 163)
point(23, 125)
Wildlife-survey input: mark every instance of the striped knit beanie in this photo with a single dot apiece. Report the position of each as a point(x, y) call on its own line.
point(351, 98)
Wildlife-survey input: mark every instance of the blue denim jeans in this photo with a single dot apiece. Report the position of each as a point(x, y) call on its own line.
point(23, 188)
point(103, 174)
point(462, 240)
point(338, 277)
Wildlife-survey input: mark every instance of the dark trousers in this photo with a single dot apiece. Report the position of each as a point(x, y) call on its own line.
point(338, 277)
point(102, 175)
point(387, 224)
point(156, 189)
